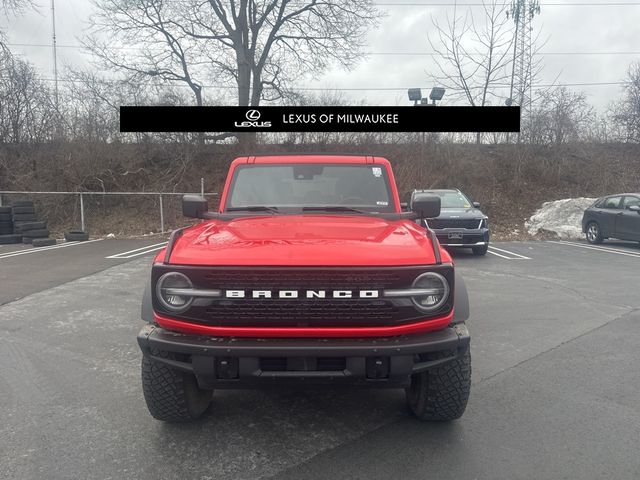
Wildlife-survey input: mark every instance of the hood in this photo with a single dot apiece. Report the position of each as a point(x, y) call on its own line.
point(463, 213)
point(305, 240)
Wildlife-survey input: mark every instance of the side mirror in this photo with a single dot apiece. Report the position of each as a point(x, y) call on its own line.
point(194, 206)
point(476, 204)
point(404, 206)
point(426, 206)
point(635, 208)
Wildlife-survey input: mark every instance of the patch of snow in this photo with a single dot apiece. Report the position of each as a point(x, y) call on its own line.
point(111, 235)
point(563, 217)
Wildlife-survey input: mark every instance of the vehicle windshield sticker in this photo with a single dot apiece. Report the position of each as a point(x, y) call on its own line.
point(377, 171)
point(383, 204)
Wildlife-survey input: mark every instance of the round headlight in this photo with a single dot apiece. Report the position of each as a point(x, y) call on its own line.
point(439, 291)
point(170, 300)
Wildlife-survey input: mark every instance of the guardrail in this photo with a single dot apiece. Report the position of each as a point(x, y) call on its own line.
point(82, 194)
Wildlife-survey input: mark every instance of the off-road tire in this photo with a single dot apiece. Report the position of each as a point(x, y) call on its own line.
point(38, 233)
point(12, 238)
point(482, 250)
point(171, 395)
point(76, 236)
point(26, 226)
point(441, 394)
point(20, 210)
point(22, 203)
point(594, 234)
point(43, 242)
point(25, 217)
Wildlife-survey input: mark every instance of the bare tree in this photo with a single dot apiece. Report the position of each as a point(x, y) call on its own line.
point(473, 53)
point(257, 47)
point(626, 113)
point(9, 8)
point(561, 116)
point(26, 109)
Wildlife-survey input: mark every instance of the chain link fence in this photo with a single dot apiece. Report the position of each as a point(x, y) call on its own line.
point(132, 213)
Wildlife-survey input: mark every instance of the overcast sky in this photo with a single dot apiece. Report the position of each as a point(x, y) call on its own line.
point(566, 29)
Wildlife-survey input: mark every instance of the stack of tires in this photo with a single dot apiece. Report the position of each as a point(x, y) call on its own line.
point(27, 228)
point(6, 227)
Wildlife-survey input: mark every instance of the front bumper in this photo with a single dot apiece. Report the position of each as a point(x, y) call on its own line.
point(231, 362)
point(462, 237)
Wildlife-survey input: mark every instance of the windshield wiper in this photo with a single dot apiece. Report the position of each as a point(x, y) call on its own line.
point(253, 208)
point(332, 208)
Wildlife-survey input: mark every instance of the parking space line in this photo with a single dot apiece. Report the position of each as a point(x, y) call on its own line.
point(43, 249)
point(601, 249)
point(138, 251)
point(498, 255)
point(33, 249)
point(517, 255)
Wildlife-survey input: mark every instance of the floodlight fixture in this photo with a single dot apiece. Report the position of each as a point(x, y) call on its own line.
point(415, 95)
point(436, 94)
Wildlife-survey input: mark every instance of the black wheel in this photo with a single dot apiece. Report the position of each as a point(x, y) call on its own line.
point(22, 203)
point(17, 210)
point(594, 235)
point(25, 217)
point(6, 239)
point(441, 394)
point(171, 395)
point(25, 226)
point(481, 250)
point(43, 242)
point(38, 233)
point(76, 236)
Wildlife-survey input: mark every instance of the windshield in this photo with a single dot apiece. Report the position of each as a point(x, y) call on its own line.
point(452, 199)
point(294, 187)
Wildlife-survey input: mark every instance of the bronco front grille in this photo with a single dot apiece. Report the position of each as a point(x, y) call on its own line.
point(298, 278)
point(302, 311)
point(438, 223)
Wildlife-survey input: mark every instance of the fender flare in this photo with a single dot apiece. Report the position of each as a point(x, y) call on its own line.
point(147, 305)
point(460, 300)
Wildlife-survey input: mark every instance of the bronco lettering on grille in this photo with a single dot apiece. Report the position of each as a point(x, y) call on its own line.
point(288, 294)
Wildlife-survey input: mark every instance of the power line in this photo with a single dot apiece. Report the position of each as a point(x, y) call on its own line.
point(352, 89)
point(417, 54)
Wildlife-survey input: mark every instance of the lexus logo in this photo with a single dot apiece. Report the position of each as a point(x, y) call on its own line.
point(252, 120)
point(253, 115)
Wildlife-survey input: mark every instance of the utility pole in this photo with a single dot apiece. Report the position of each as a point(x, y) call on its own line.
point(55, 53)
point(522, 13)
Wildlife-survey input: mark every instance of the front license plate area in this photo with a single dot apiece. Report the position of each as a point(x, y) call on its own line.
point(454, 235)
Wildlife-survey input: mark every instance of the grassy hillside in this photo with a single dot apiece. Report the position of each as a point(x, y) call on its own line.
point(511, 181)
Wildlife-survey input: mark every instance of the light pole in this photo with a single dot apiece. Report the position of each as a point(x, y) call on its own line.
point(415, 96)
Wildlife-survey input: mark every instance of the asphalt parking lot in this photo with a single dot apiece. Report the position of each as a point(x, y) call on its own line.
point(556, 382)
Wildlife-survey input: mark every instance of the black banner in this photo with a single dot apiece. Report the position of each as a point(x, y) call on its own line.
point(420, 118)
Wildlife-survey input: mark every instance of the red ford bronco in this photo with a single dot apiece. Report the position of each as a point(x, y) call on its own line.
point(308, 274)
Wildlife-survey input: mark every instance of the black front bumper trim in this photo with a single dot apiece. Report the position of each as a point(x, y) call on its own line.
point(407, 354)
